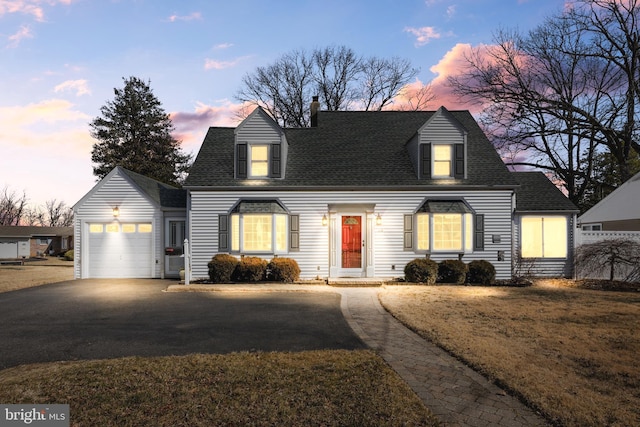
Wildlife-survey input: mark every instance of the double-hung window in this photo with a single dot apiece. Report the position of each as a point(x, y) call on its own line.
point(543, 236)
point(445, 226)
point(442, 160)
point(259, 161)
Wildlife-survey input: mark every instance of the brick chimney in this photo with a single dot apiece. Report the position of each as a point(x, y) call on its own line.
point(315, 106)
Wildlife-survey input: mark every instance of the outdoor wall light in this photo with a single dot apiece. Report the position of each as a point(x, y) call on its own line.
point(324, 220)
point(378, 220)
point(116, 212)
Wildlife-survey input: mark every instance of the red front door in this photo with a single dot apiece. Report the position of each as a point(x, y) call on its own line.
point(352, 241)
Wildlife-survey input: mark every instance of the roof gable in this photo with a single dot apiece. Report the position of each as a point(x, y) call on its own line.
point(157, 193)
point(259, 116)
point(620, 205)
point(443, 113)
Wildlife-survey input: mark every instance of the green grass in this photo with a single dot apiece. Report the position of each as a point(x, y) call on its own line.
point(328, 388)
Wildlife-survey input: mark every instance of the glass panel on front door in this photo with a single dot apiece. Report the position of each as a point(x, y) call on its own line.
point(352, 241)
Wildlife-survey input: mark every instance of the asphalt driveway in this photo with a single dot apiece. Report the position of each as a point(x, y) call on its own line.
point(95, 319)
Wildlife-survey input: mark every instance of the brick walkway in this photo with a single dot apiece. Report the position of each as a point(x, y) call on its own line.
point(456, 394)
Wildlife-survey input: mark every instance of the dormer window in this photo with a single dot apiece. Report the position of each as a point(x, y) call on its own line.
point(441, 160)
point(259, 161)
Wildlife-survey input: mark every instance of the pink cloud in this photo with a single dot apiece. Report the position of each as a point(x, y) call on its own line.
point(423, 35)
point(81, 87)
point(413, 96)
point(23, 33)
point(213, 64)
point(28, 7)
point(191, 17)
point(453, 64)
point(190, 127)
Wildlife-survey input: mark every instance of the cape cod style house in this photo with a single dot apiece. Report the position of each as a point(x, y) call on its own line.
point(357, 194)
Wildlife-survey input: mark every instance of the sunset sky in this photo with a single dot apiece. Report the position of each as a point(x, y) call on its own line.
point(61, 59)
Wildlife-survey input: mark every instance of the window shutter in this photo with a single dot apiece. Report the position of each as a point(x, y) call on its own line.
point(478, 242)
point(241, 160)
point(275, 161)
point(294, 233)
point(425, 160)
point(458, 151)
point(408, 233)
point(223, 233)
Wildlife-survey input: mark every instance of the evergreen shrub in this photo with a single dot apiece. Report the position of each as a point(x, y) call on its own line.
point(421, 270)
point(222, 268)
point(250, 269)
point(481, 272)
point(283, 270)
point(452, 271)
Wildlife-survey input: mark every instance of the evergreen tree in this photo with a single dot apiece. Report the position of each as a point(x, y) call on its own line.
point(134, 132)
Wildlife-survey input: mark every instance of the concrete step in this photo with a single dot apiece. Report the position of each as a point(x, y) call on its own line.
point(355, 281)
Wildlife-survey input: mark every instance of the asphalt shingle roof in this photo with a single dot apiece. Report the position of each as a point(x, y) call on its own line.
point(164, 195)
point(34, 231)
point(351, 149)
point(537, 193)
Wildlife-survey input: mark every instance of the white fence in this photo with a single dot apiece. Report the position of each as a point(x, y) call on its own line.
point(585, 237)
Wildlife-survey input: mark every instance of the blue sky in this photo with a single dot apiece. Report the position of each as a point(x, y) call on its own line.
point(61, 59)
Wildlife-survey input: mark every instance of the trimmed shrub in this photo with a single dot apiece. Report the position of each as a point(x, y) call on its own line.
point(452, 271)
point(69, 255)
point(250, 269)
point(421, 270)
point(481, 272)
point(283, 270)
point(222, 267)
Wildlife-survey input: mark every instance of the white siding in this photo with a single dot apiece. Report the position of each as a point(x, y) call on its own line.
point(97, 207)
point(541, 267)
point(442, 129)
point(313, 257)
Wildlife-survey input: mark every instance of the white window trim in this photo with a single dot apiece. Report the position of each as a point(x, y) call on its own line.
point(240, 238)
point(467, 241)
point(567, 249)
point(250, 160)
point(433, 161)
point(589, 227)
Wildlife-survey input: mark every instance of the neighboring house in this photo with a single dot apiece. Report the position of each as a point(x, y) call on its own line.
point(31, 241)
point(129, 226)
point(358, 194)
point(619, 211)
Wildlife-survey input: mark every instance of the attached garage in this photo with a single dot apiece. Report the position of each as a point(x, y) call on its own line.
point(120, 227)
point(120, 250)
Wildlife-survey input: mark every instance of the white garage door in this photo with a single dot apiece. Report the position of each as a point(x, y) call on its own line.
point(120, 250)
point(8, 250)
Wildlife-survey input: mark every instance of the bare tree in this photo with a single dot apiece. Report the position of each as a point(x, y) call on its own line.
point(382, 79)
point(342, 79)
point(415, 98)
point(12, 207)
point(609, 256)
point(58, 214)
point(553, 97)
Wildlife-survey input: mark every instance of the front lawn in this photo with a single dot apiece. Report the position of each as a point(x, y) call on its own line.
point(572, 353)
point(328, 388)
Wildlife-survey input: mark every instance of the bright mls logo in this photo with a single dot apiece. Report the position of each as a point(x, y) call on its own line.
point(34, 415)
